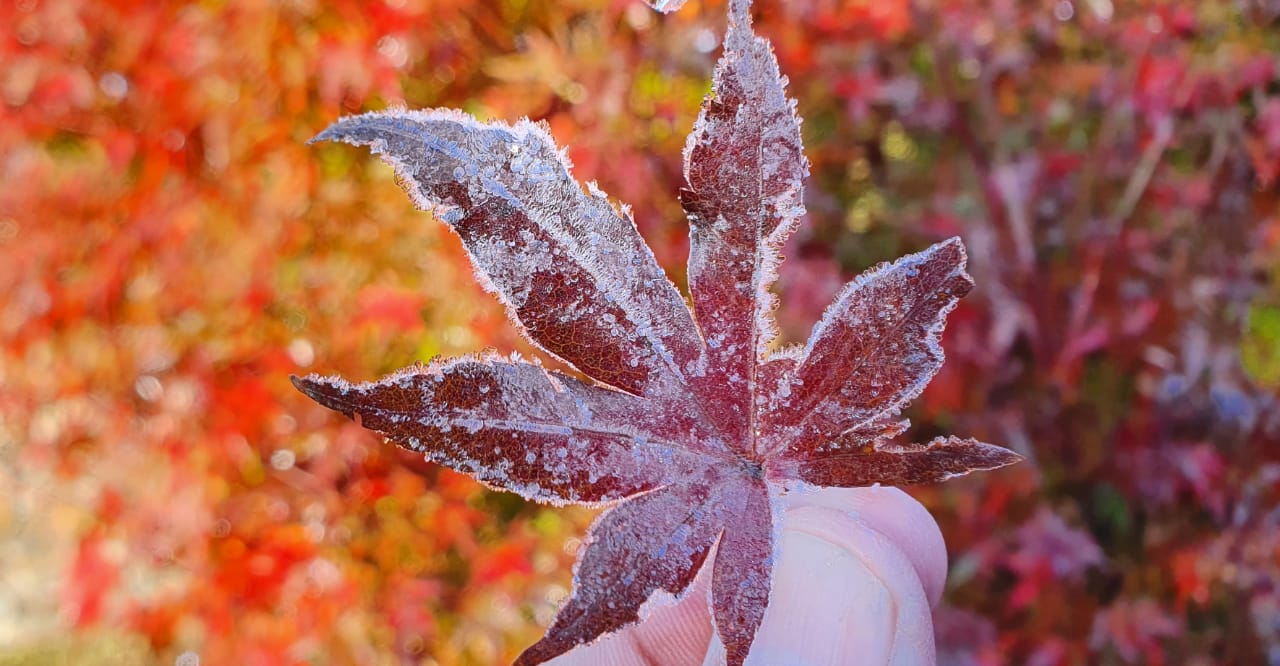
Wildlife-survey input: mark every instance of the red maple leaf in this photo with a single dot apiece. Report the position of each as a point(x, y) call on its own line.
point(692, 427)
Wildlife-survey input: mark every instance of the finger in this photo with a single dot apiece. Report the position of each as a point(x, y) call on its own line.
point(846, 592)
point(896, 515)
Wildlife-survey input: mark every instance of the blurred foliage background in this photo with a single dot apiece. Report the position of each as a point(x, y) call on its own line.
point(170, 251)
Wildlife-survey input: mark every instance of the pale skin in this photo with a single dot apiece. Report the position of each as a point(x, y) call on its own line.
point(858, 572)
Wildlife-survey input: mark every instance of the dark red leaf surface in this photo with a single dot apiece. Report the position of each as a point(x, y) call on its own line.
point(874, 351)
point(744, 167)
point(692, 431)
point(517, 427)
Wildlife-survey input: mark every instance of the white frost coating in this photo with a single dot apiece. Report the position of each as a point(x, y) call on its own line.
point(666, 6)
point(778, 507)
point(794, 352)
point(661, 599)
point(909, 264)
point(749, 60)
point(444, 148)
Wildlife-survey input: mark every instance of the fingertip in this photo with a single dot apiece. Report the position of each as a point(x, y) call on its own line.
point(896, 515)
point(842, 596)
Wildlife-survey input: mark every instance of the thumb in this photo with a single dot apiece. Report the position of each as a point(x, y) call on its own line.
point(856, 575)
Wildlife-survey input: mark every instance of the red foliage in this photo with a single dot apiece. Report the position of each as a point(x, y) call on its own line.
point(170, 251)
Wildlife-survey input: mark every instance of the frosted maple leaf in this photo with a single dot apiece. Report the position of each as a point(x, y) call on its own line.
point(691, 429)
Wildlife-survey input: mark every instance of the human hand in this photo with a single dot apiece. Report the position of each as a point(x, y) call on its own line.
point(858, 571)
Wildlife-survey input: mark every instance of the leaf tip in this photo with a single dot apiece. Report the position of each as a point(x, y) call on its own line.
point(308, 386)
point(953, 252)
point(326, 134)
point(979, 456)
point(1002, 457)
point(952, 247)
point(327, 391)
point(540, 652)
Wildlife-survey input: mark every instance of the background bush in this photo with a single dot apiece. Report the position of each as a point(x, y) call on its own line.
point(170, 251)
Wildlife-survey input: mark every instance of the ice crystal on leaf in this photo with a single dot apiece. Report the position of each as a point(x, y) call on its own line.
point(666, 5)
point(691, 428)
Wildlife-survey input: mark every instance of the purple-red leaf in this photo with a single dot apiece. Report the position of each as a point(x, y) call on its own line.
point(517, 427)
point(897, 465)
point(571, 268)
point(744, 561)
point(874, 351)
point(744, 171)
point(691, 433)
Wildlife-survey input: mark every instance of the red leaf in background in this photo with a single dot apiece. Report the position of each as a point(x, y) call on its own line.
point(1264, 145)
point(410, 603)
point(1045, 550)
point(93, 576)
point(1135, 629)
point(692, 429)
point(1159, 82)
point(806, 285)
point(257, 568)
point(1269, 123)
point(507, 558)
point(399, 309)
